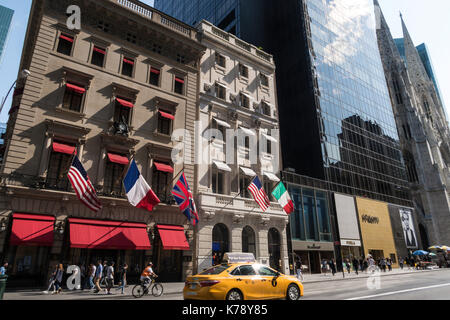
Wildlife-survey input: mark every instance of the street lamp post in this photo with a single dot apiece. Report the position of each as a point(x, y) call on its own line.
point(23, 75)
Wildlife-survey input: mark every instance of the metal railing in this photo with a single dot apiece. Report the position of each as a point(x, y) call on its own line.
point(136, 8)
point(175, 26)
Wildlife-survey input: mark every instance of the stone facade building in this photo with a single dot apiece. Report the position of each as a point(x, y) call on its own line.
point(237, 139)
point(424, 134)
point(113, 91)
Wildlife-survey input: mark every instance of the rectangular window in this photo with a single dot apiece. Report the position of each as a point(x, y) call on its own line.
point(154, 76)
point(268, 188)
point(73, 97)
point(179, 85)
point(266, 110)
point(160, 184)
point(297, 217)
point(244, 182)
point(113, 179)
point(127, 67)
point(220, 91)
point(217, 182)
point(309, 205)
point(245, 101)
point(98, 56)
point(181, 59)
point(264, 80)
point(165, 121)
point(324, 220)
point(65, 44)
point(57, 171)
point(220, 60)
point(243, 71)
point(122, 113)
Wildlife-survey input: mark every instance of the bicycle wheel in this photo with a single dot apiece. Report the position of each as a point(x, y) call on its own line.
point(138, 291)
point(157, 290)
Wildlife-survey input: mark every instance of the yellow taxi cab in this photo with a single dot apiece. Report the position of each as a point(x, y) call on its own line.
point(241, 280)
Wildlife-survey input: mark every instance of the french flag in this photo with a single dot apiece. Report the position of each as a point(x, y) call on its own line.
point(139, 193)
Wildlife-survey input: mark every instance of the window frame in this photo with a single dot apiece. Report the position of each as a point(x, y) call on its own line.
point(161, 120)
point(95, 52)
point(58, 42)
point(243, 69)
point(73, 94)
point(133, 66)
point(220, 58)
point(177, 81)
point(216, 184)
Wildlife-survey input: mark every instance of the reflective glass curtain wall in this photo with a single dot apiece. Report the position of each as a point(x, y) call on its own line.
point(311, 219)
point(6, 16)
point(223, 13)
point(360, 144)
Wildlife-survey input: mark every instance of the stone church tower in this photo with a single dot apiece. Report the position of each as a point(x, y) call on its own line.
point(423, 131)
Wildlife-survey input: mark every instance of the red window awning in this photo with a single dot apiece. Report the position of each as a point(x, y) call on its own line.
point(66, 37)
point(116, 158)
point(102, 51)
point(173, 237)
point(64, 148)
point(32, 230)
point(74, 88)
point(163, 167)
point(129, 61)
point(155, 71)
point(112, 235)
point(167, 115)
point(125, 103)
point(179, 80)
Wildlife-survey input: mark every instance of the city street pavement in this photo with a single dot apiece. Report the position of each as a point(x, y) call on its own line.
point(406, 284)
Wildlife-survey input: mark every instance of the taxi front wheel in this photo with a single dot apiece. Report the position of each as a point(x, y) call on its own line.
point(293, 292)
point(235, 295)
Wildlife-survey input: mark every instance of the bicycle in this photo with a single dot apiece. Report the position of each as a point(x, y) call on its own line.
point(145, 286)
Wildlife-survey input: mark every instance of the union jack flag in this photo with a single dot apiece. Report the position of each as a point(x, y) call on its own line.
point(82, 185)
point(183, 197)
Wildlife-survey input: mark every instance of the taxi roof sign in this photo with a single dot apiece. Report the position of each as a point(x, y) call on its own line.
point(238, 257)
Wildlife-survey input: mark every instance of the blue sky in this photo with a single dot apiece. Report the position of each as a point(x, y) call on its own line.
point(427, 22)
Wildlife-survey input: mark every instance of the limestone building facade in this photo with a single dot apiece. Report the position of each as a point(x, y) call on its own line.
point(112, 91)
point(237, 139)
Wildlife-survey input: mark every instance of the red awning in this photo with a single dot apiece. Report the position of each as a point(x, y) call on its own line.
point(125, 103)
point(155, 71)
point(163, 167)
point(116, 158)
point(167, 115)
point(32, 230)
point(126, 60)
point(64, 148)
point(65, 37)
point(96, 49)
point(173, 237)
point(179, 80)
point(94, 234)
point(75, 88)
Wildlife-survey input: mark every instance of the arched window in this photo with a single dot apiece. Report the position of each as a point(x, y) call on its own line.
point(220, 244)
point(274, 249)
point(249, 240)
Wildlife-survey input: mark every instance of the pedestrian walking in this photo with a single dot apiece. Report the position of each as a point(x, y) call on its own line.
point(298, 267)
point(123, 278)
point(4, 269)
point(324, 267)
point(383, 264)
point(348, 266)
point(332, 265)
point(389, 264)
point(98, 276)
point(109, 277)
point(51, 281)
point(355, 265)
point(58, 278)
point(401, 261)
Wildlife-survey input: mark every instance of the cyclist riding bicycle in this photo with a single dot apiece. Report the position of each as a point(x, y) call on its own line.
point(148, 274)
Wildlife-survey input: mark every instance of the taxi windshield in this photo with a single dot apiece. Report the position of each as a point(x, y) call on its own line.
point(215, 270)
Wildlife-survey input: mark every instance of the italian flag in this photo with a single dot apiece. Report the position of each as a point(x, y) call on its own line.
point(280, 193)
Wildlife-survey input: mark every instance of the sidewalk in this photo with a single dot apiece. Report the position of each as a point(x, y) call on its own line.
point(177, 288)
point(314, 278)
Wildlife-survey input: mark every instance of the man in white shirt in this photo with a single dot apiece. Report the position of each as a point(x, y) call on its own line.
point(109, 277)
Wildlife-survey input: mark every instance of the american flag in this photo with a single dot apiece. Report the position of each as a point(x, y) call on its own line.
point(183, 197)
point(82, 185)
point(257, 191)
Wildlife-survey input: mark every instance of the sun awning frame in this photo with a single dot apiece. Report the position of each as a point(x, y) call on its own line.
point(32, 230)
point(271, 176)
point(248, 172)
point(116, 158)
point(222, 166)
point(163, 167)
point(247, 132)
point(63, 148)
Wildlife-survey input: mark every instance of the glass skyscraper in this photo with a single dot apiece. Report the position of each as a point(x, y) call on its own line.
point(336, 117)
point(6, 16)
point(223, 13)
